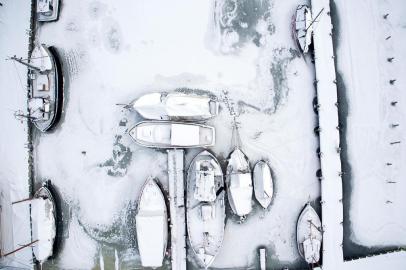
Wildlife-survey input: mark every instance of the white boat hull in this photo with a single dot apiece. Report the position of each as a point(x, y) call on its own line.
point(151, 225)
point(303, 27)
point(176, 106)
point(205, 233)
point(43, 213)
point(309, 235)
point(165, 134)
point(46, 89)
point(239, 183)
point(263, 183)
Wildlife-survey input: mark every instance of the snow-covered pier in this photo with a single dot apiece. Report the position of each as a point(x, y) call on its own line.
point(177, 209)
point(331, 183)
point(14, 170)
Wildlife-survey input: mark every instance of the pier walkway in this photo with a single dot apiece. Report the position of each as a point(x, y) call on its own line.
point(177, 209)
point(330, 162)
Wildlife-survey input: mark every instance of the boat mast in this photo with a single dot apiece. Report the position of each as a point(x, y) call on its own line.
point(19, 60)
point(18, 249)
point(314, 19)
point(23, 200)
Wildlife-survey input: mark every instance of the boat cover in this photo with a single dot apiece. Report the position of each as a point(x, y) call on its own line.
point(185, 134)
point(151, 225)
point(174, 105)
point(241, 193)
point(151, 238)
point(44, 227)
point(263, 184)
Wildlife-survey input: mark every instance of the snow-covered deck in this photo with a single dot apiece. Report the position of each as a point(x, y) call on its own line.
point(331, 184)
point(177, 209)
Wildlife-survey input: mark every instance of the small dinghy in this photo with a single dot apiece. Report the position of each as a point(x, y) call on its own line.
point(151, 225)
point(263, 184)
point(205, 207)
point(164, 134)
point(43, 214)
point(239, 183)
point(175, 106)
point(303, 28)
point(309, 235)
point(47, 10)
point(45, 99)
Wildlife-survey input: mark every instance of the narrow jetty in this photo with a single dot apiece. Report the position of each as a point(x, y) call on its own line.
point(330, 162)
point(177, 208)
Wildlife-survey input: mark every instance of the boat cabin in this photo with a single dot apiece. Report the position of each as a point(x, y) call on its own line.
point(205, 181)
point(45, 7)
point(40, 108)
point(208, 212)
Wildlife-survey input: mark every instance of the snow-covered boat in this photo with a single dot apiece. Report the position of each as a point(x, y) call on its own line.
point(303, 28)
point(205, 207)
point(239, 183)
point(45, 99)
point(165, 134)
point(263, 184)
point(47, 10)
point(151, 225)
point(309, 235)
point(43, 214)
point(176, 106)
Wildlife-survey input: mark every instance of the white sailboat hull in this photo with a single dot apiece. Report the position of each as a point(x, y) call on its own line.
point(164, 134)
point(309, 235)
point(151, 225)
point(239, 183)
point(263, 183)
point(43, 213)
point(176, 106)
point(205, 228)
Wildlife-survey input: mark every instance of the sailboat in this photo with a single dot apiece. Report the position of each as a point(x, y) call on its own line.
point(47, 10)
point(151, 225)
point(205, 207)
point(239, 183)
point(263, 184)
point(46, 87)
point(176, 106)
point(303, 28)
point(309, 235)
point(43, 214)
point(166, 134)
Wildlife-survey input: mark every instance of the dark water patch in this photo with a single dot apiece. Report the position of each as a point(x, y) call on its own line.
point(237, 20)
point(351, 249)
point(282, 58)
point(121, 232)
point(120, 160)
point(199, 92)
point(96, 9)
point(112, 35)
